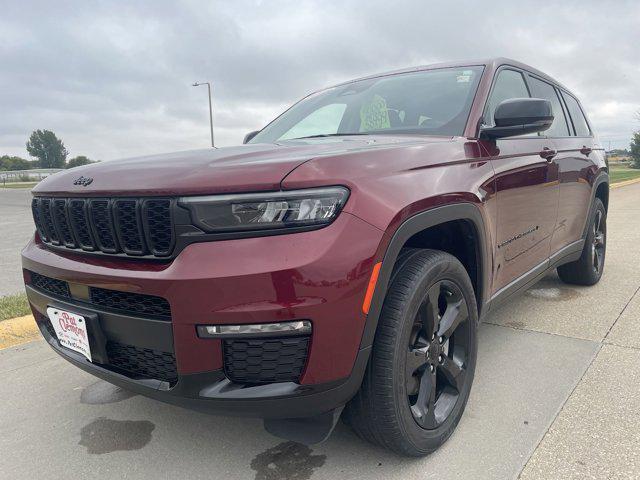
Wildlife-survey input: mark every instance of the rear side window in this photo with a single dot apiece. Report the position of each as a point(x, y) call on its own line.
point(546, 91)
point(509, 84)
point(579, 121)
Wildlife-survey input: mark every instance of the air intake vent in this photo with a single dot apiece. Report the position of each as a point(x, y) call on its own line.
point(268, 360)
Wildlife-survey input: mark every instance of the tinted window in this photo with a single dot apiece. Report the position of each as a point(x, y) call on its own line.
point(509, 84)
point(546, 91)
point(431, 102)
point(579, 122)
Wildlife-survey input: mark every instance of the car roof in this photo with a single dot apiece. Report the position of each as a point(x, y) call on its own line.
point(492, 63)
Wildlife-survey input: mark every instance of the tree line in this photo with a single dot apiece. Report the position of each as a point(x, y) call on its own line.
point(634, 148)
point(49, 152)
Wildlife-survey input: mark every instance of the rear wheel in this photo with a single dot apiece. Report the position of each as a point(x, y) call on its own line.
point(423, 360)
point(587, 270)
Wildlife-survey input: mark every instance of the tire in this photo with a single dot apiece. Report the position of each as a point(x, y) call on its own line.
point(394, 407)
point(587, 270)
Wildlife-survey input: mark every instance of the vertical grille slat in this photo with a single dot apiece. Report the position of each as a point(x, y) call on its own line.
point(61, 221)
point(80, 224)
point(47, 220)
point(37, 219)
point(117, 226)
point(102, 222)
point(159, 226)
point(128, 224)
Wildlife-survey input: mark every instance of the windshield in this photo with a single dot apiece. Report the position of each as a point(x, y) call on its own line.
point(431, 102)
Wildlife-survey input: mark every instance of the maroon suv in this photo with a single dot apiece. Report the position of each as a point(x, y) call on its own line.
point(341, 259)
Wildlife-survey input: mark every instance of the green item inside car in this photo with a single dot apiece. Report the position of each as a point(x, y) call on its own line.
point(374, 115)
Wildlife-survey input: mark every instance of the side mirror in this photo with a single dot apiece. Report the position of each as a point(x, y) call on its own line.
point(519, 116)
point(250, 135)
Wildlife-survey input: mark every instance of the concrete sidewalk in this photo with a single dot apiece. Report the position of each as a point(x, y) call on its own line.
point(555, 396)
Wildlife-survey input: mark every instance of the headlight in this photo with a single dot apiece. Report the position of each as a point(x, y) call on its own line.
point(266, 211)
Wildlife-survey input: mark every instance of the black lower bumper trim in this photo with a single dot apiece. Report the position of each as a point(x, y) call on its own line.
point(213, 393)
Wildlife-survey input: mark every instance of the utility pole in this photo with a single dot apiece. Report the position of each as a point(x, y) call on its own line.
point(197, 84)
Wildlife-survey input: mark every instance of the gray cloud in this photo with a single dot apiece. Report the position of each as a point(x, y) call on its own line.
point(113, 78)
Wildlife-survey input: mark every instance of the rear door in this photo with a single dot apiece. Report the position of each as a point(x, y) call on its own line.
point(576, 166)
point(567, 165)
point(526, 187)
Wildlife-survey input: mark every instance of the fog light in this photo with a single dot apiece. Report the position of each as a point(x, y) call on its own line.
point(300, 327)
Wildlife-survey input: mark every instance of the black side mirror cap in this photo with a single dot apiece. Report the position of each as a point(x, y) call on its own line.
point(249, 136)
point(519, 116)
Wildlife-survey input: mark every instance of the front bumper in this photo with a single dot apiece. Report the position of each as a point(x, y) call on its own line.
point(320, 276)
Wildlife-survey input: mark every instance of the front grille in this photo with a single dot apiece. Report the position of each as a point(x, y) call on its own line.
point(138, 362)
point(129, 303)
point(134, 227)
point(132, 303)
point(269, 360)
point(58, 288)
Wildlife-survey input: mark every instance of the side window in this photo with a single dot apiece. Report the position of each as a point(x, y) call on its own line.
point(323, 121)
point(546, 91)
point(509, 84)
point(579, 122)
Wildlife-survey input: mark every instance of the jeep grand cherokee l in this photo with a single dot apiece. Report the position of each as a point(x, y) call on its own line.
point(338, 263)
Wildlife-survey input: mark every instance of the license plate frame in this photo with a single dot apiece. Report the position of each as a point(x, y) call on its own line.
point(71, 329)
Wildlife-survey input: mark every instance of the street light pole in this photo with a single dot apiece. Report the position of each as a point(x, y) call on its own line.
point(197, 84)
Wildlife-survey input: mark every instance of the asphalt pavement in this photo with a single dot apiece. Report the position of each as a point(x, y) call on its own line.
point(16, 228)
point(555, 396)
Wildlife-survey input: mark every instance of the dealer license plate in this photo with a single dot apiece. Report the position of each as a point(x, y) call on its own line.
point(71, 330)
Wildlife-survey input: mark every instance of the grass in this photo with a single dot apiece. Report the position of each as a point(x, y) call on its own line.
point(19, 185)
point(621, 173)
point(14, 306)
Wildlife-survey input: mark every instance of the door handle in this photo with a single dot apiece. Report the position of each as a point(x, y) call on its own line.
point(548, 153)
point(585, 150)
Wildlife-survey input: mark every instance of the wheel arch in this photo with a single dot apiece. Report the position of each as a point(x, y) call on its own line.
point(600, 189)
point(467, 213)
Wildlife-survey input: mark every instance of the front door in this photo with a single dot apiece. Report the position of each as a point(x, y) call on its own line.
point(527, 196)
point(526, 183)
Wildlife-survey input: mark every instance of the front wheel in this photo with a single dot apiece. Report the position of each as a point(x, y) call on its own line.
point(423, 360)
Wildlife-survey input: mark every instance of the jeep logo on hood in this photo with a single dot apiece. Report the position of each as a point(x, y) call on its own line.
point(84, 181)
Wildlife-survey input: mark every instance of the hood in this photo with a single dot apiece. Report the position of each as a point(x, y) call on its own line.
point(245, 168)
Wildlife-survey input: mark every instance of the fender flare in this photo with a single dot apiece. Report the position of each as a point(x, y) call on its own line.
point(602, 177)
point(421, 221)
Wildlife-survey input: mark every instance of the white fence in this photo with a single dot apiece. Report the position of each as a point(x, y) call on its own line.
point(36, 174)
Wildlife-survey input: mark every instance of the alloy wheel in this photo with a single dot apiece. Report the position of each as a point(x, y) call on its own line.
point(437, 355)
point(599, 241)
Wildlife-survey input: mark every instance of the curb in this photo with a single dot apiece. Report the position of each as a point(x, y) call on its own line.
point(625, 183)
point(16, 331)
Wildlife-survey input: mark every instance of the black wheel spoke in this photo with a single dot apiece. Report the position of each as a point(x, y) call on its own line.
point(424, 408)
point(429, 313)
point(453, 373)
point(599, 239)
point(598, 224)
point(455, 313)
point(416, 358)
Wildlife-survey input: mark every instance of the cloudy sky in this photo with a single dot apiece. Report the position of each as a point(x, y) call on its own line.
point(113, 79)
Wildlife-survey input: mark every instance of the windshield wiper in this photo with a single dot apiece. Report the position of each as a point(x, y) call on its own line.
point(331, 135)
